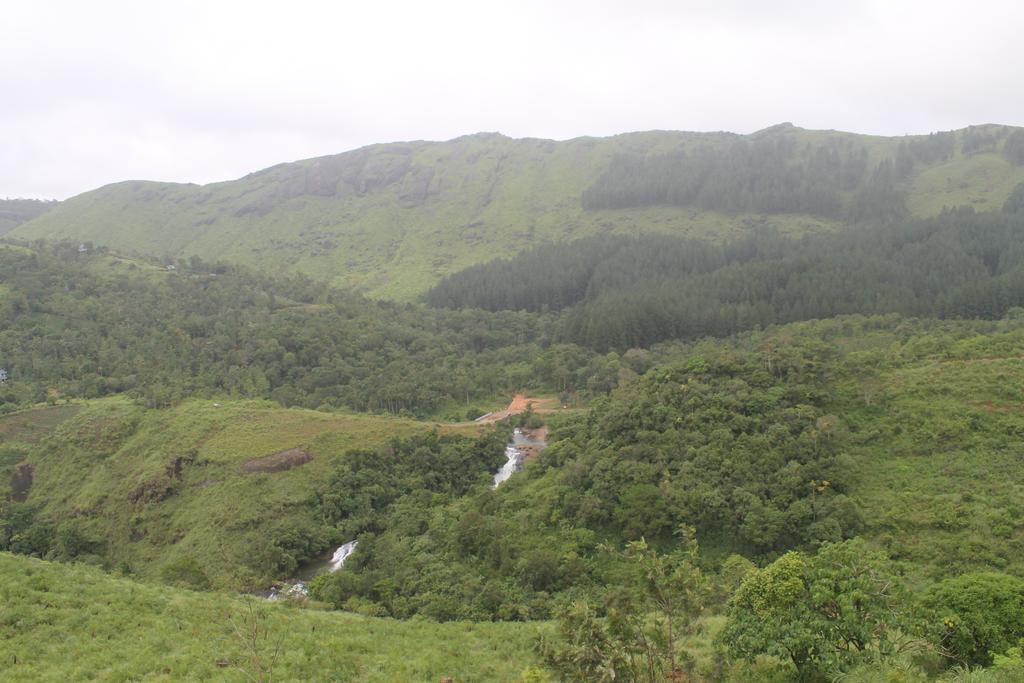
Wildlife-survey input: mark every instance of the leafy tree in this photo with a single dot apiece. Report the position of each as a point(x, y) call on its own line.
point(976, 615)
point(642, 511)
point(651, 606)
point(821, 612)
point(1013, 148)
point(1015, 202)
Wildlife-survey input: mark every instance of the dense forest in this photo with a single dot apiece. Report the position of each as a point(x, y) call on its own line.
point(722, 443)
point(710, 515)
point(769, 175)
point(632, 292)
point(774, 172)
point(757, 447)
point(83, 324)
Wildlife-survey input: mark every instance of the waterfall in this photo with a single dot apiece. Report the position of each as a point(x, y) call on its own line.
point(341, 554)
point(510, 466)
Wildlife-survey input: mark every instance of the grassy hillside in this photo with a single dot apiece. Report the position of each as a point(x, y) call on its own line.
point(393, 219)
point(216, 483)
point(936, 458)
point(14, 212)
point(63, 622)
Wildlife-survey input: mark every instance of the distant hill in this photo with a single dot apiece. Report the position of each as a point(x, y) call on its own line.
point(14, 212)
point(393, 219)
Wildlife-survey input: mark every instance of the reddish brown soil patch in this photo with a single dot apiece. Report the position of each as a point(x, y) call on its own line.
point(278, 462)
point(21, 482)
point(519, 404)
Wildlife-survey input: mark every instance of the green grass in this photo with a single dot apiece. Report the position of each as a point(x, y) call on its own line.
point(92, 468)
point(394, 219)
point(983, 181)
point(28, 427)
point(936, 458)
point(63, 623)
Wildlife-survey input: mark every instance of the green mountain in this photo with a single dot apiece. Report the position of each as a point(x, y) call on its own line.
point(14, 212)
point(393, 219)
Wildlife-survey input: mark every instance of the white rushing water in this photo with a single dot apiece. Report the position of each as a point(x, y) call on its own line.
point(514, 456)
point(341, 554)
point(510, 466)
point(299, 590)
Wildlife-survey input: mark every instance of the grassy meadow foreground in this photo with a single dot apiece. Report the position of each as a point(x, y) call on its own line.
point(73, 623)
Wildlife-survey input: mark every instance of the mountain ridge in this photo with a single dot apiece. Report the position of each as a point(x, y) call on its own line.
point(392, 219)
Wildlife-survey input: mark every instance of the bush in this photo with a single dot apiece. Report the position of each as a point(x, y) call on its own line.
point(186, 573)
point(975, 615)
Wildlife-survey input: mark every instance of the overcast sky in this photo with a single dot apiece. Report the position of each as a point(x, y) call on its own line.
point(199, 91)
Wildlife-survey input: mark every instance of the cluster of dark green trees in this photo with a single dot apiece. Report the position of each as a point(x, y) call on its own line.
point(88, 325)
point(732, 443)
point(843, 612)
point(633, 292)
point(770, 174)
point(25, 531)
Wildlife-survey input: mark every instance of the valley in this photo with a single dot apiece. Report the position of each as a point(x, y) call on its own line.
point(660, 406)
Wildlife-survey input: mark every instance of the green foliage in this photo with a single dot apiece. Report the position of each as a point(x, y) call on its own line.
point(623, 293)
point(1011, 662)
point(86, 325)
point(976, 615)
point(651, 605)
point(768, 173)
point(822, 612)
point(1015, 202)
point(366, 485)
point(185, 572)
point(716, 439)
point(723, 444)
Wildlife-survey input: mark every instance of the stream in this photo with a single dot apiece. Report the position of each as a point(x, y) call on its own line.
point(515, 453)
point(299, 587)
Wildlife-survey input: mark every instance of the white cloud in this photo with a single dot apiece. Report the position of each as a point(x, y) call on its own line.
point(201, 91)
